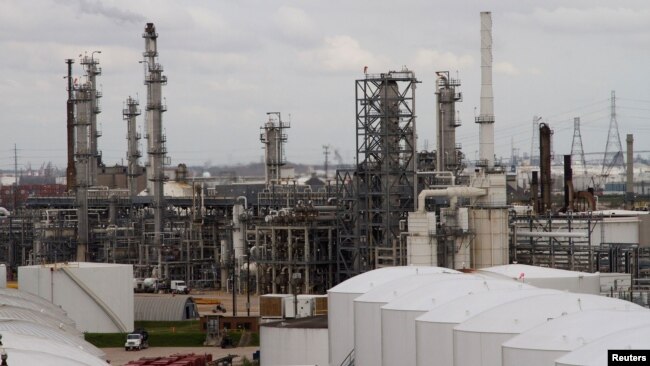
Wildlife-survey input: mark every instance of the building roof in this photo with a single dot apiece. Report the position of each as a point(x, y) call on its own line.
point(520, 315)
point(571, 331)
point(465, 307)
point(595, 353)
point(392, 290)
point(366, 281)
point(20, 346)
point(162, 308)
point(434, 294)
point(310, 322)
point(42, 331)
point(518, 271)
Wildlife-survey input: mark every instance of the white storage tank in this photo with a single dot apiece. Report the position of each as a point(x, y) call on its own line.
point(301, 341)
point(434, 331)
point(97, 296)
point(477, 341)
point(31, 350)
point(398, 316)
point(558, 279)
point(542, 345)
point(341, 309)
point(367, 313)
point(595, 353)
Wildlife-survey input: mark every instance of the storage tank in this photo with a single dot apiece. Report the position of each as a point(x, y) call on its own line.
point(398, 316)
point(595, 353)
point(97, 296)
point(301, 341)
point(341, 309)
point(434, 331)
point(559, 279)
point(28, 350)
point(367, 312)
point(482, 335)
point(542, 345)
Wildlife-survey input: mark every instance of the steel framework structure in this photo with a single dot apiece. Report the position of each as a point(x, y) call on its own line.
point(384, 184)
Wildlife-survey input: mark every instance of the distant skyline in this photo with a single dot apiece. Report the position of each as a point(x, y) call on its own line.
point(230, 62)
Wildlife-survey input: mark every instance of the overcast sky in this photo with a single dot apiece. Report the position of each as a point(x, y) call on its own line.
point(230, 62)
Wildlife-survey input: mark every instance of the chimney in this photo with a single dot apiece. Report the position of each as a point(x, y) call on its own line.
point(486, 116)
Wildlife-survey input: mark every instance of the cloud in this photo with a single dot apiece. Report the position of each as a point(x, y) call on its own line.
point(441, 61)
point(295, 24)
point(506, 68)
point(118, 15)
point(596, 19)
point(343, 53)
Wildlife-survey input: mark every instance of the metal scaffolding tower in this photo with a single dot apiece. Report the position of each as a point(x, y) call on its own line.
point(154, 79)
point(70, 171)
point(133, 154)
point(384, 183)
point(273, 137)
point(577, 152)
point(613, 149)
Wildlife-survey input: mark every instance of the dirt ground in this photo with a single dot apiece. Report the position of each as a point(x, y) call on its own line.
point(118, 356)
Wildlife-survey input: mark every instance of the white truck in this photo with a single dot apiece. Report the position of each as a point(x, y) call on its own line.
point(137, 340)
point(179, 287)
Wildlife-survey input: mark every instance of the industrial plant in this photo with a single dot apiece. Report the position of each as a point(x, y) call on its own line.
point(410, 245)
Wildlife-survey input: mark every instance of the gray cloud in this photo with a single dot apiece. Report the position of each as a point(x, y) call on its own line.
point(118, 15)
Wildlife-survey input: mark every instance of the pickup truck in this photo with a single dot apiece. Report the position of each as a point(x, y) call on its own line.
point(137, 340)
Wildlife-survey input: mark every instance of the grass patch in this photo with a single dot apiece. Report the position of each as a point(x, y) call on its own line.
point(161, 334)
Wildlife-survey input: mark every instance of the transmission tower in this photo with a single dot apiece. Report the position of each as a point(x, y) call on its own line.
point(534, 146)
point(614, 149)
point(577, 151)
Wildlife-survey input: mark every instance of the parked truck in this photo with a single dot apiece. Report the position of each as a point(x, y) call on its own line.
point(179, 287)
point(137, 340)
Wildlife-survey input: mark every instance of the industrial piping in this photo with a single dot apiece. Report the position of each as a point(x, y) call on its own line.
point(467, 192)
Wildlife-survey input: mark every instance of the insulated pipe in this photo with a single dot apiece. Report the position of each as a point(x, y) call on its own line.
point(449, 192)
point(553, 234)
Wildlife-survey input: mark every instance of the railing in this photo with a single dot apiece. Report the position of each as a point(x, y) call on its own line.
point(349, 360)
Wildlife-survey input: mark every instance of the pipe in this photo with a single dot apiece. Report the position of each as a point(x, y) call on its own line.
point(629, 186)
point(553, 234)
point(449, 192)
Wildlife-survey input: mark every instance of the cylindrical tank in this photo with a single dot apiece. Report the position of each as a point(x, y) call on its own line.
point(367, 313)
point(340, 305)
point(434, 331)
point(398, 316)
point(483, 335)
point(551, 340)
point(491, 242)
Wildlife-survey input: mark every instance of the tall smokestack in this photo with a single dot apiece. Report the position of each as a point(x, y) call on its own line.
point(486, 117)
point(629, 187)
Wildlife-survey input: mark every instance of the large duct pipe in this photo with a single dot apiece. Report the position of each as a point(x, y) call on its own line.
point(467, 192)
point(553, 234)
point(629, 185)
point(486, 117)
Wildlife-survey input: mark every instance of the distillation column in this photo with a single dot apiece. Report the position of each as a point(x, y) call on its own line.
point(156, 150)
point(92, 71)
point(130, 112)
point(83, 97)
point(447, 158)
point(70, 174)
point(274, 137)
point(486, 117)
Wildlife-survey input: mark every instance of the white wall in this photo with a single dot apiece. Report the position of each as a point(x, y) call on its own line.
point(293, 346)
point(112, 283)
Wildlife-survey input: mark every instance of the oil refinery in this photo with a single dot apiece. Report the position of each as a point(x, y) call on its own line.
point(407, 257)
